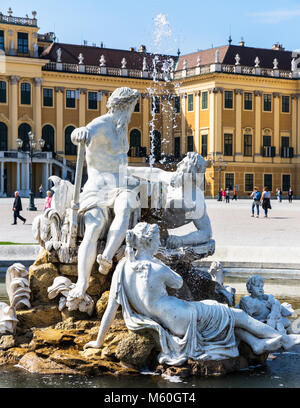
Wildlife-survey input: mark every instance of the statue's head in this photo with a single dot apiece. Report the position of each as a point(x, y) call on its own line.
point(144, 236)
point(255, 286)
point(63, 195)
point(193, 163)
point(123, 99)
point(216, 271)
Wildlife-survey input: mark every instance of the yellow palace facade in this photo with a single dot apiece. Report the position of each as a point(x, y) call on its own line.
point(237, 106)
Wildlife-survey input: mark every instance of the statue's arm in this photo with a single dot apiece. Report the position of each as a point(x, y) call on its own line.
point(172, 279)
point(146, 173)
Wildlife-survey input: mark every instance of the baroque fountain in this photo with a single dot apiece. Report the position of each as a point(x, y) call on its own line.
point(112, 292)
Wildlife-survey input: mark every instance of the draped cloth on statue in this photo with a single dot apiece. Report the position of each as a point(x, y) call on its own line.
point(209, 336)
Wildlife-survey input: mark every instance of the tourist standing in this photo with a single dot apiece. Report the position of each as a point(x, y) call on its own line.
point(41, 190)
point(256, 195)
point(17, 207)
point(265, 199)
point(227, 195)
point(279, 194)
point(234, 197)
point(290, 194)
point(48, 200)
point(223, 195)
point(220, 195)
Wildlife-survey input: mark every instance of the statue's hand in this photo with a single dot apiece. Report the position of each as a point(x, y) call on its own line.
point(174, 241)
point(91, 344)
point(80, 135)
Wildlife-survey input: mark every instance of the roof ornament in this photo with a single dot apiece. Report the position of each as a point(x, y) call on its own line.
point(58, 55)
point(237, 59)
point(184, 66)
point(198, 61)
point(275, 63)
point(257, 62)
point(80, 58)
point(102, 61)
point(217, 58)
point(145, 68)
point(9, 12)
point(123, 63)
point(34, 13)
point(293, 65)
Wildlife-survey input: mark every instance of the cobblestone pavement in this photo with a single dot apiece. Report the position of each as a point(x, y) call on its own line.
point(232, 223)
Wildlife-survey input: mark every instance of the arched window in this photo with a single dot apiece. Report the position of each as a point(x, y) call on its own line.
point(48, 136)
point(156, 140)
point(23, 131)
point(70, 148)
point(3, 136)
point(135, 138)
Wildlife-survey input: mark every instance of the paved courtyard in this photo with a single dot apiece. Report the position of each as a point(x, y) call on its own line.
point(231, 224)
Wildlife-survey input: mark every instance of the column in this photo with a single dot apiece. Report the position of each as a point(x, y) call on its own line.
point(60, 137)
point(294, 99)
point(167, 126)
point(298, 128)
point(37, 107)
point(276, 115)
point(211, 147)
point(197, 122)
point(103, 109)
point(146, 132)
point(218, 121)
point(238, 123)
point(82, 107)
point(183, 125)
point(258, 138)
point(45, 176)
point(18, 176)
point(13, 111)
point(2, 179)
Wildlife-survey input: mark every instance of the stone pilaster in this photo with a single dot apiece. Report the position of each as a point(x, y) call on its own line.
point(183, 124)
point(146, 132)
point(276, 115)
point(258, 137)
point(197, 122)
point(13, 110)
point(238, 123)
point(82, 106)
point(60, 137)
point(37, 107)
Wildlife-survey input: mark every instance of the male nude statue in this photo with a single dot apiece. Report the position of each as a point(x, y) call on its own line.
point(106, 190)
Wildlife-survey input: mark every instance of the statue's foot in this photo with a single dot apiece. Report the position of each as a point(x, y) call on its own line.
point(263, 345)
point(290, 340)
point(91, 344)
point(104, 264)
point(77, 292)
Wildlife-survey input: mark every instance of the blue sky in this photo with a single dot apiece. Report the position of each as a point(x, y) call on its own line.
point(189, 25)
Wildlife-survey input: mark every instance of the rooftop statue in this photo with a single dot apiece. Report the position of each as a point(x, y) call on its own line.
point(186, 329)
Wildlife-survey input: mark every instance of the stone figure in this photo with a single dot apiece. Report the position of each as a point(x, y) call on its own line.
point(17, 286)
point(102, 61)
point(217, 273)
point(58, 55)
point(8, 319)
point(80, 59)
point(237, 59)
point(108, 200)
point(184, 199)
point(186, 329)
point(265, 308)
point(256, 62)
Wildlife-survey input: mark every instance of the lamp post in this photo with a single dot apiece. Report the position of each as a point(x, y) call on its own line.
point(31, 152)
point(217, 162)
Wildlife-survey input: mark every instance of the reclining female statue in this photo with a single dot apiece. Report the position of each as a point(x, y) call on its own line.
point(187, 329)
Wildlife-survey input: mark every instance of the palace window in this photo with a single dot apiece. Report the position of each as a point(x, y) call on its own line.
point(156, 104)
point(204, 100)
point(47, 97)
point(3, 137)
point(204, 145)
point(177, 147)
point(70, 99)
point(267, 102)
point(93, 100)
point(177, 104)
point(48, 136)
point(267, 140)
point(23, 43)
point(190, 143)
point(190, 107)
point(1, 40)
point(2, 92)
point(70, 148)
point(248, 101)
point(228, 99)
point(247, 145)
point(229, 180)
point(137, 106)
point(268, 181)
point(25, 93)
point(285, 104)
point(228, 137)
point(286, 182)
point(249, 182)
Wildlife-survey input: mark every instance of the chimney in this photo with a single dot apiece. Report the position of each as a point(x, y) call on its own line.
point(131, 49)
point(242, 43)
point(277, 47)
point(142, 48)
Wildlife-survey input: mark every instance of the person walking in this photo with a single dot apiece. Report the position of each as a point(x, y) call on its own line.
point(41, 190)
point(256, 195)
point(223, 195)
point(17, 207)
point(220, 195)
point(279, 194)
point(234, 197)
point(48, 200)
point(227, 195)
point(290, 194)
point(265, 199)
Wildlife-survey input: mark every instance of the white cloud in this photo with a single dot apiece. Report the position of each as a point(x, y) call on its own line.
point(276, 16)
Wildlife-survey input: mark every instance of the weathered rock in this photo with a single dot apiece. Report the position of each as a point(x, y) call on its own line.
point(34, 364)
point(252, 358)
point(39, 316)
point(101, 305)
point(135, 349)
point(95, 286)
point(11, 356)
point(68, 270)
point(7, 342)
point(42, 258)
point(40, 278)
point(53, 337)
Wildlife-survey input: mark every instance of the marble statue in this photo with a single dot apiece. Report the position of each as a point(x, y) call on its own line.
point(186, 329)
point(256, 62)
point(17, 286)
point(217, 274)
point(102, 61)
point(184, 199)
point(8, 319)
point(265, 308)
point(109, 199)
point(58, 55)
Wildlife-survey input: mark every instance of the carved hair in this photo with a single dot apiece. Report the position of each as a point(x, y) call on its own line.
point(254, 281)
point(194, 163)
point(121, 98)
point(140, 236)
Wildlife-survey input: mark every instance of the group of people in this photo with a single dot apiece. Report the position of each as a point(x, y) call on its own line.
point(224, 195)
point(264, 199)
point(17, 206)
point(289, 194)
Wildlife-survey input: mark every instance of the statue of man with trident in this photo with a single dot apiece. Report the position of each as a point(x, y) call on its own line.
point(106, 195)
